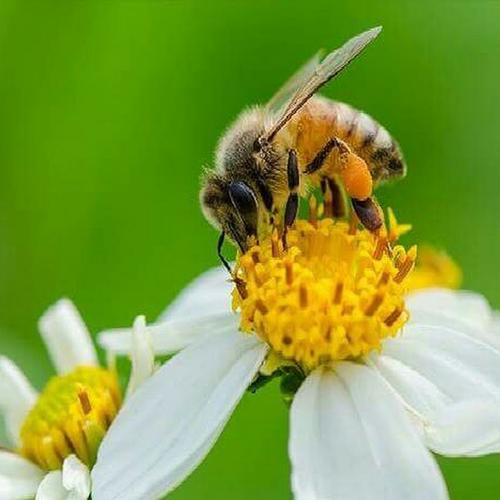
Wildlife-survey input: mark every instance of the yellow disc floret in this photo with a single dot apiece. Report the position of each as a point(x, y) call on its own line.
point(334, 293)
point(71, 416)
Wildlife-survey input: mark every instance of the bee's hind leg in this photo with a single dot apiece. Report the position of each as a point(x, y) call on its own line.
point(332, 192)
point(292, 203)
point(333, 198)
point(319, 160)
point(369, 213)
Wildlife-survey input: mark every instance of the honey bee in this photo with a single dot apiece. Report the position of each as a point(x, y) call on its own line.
point(273, 154)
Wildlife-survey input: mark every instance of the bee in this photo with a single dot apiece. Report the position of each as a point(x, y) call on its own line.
point(273, 154)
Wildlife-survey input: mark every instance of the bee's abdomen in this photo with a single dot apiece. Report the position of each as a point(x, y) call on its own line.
point(323, 119)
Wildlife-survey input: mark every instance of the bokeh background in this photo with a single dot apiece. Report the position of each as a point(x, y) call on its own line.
point(109, 109)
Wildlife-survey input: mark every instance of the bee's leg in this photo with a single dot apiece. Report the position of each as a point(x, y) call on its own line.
point(321, 156)
point(327, 198)
point(369, 213)
point(220, 243)
point(333, 198)
point(292, 203)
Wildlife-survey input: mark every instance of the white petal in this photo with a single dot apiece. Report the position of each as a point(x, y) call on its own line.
point(17, 396)
point(421, 395)
point(169, 337)
point(460, 366)
point(495, 323)
point(432, 318)
point(203, 306)
point(51, 488)
point(170, 423)
point(209, 294)
point(468, 428)
point(19, 478)
point(66, 336)
point(436, 371)
point(468, 308)
point(76, 478)
point(73, 483)
point(450, 426)
point(352, 440)
point(142, 355)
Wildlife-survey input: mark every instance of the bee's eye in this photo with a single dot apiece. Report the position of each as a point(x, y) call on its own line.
point(245, 202)
point(243, 198)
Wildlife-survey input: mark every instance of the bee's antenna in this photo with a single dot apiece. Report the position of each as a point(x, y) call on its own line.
point(225, 263)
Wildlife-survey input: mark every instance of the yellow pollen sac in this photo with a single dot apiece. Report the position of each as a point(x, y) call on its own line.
point(336, 291)
point(71, 416)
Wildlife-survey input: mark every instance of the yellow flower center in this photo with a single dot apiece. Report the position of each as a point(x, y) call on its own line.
point(334, 293)
point(71, 416)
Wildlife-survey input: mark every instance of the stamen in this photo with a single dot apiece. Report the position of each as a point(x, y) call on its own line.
point(338, 293)
point(261, 306)
point(396, 229)
point(256, 277)
point(328, 334)
point(333, 294)
point(71, 416)
point(303, 296)
point(391, 319)
point(84, 402)
point(380, 247)
point(241, 287)
point(347, 310)
point(374, 305)
point(407, 265)
point(384, 279)
point(399, 255)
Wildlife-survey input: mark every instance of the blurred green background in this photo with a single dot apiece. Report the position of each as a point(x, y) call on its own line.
point(109, 109)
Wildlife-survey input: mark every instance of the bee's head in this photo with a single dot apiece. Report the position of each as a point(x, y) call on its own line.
point(230, 206)
point(235, 195)
point(236, 147)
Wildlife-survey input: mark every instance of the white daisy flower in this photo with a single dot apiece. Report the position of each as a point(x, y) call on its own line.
point(55, 435)
point(383, 378)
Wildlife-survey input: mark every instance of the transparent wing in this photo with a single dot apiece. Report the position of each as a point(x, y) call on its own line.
point(294, 83)
point(331, 66)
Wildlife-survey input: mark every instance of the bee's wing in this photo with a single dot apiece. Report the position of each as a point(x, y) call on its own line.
point(331, 66)
point(294, 83)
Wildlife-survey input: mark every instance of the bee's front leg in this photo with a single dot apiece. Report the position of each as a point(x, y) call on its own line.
point(292, 203)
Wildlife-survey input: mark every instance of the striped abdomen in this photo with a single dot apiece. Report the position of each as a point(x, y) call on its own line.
point(321, 119)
